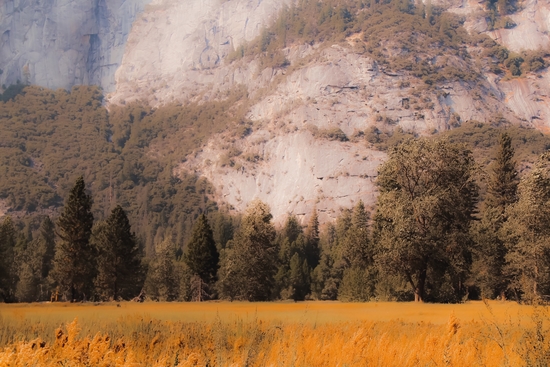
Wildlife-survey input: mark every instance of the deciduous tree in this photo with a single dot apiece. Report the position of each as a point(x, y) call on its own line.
point(425, 207)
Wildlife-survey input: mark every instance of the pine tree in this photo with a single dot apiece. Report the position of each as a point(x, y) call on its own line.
point(202, 256)
point(356, 285)
point(357, 249)
point(161, 283)
point(501, 193)
point(527, 234)
point(46, 242)
point(7, 257)
point(249, 263)
point(503, 179)
point(313, 252)
point(73, 270)
point(299, 281)
point(326, 276)
point(358, 276)
point(27, 286)
point(118, 257)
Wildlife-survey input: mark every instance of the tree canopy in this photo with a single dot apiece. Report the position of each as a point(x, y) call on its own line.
point(425, 208)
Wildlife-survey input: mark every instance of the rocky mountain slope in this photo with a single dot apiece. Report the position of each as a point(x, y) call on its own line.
point(308, 119)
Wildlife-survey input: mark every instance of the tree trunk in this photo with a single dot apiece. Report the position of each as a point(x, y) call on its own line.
point(535, 280)
point(420, 285)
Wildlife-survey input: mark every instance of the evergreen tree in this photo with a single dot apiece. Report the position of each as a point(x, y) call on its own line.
point(27, 286)
point(73, 270)
point(501, 193)
point(356, 286)
point(358, 277)
point(161, 283)
point(299, 282)
point(313, 252)
point(46, 249)
point(527, 234)
point(7, 257)
point(326, 276)
point(222, 228)
point(249, 264)
point(357, 250)
point(118, 257)
point(503, 177)
point(202, 256)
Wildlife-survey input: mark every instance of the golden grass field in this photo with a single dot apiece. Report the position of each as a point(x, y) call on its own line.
point(274, 334)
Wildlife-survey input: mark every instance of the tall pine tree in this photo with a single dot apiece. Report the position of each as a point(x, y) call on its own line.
point(313, 251)
point(7, 253)
point(503, 177)
point(202, 255)
point(249, 263)
point(527, 234)
point(118, 257)
point(491, 251)
point(73, 270)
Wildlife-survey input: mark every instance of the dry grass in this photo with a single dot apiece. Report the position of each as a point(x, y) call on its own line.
point(274, 334)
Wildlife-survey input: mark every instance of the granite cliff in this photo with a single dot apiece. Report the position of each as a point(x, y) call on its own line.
point(178, 52)
point(58, 44)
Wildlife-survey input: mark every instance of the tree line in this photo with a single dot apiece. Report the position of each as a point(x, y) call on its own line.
point(429, 238)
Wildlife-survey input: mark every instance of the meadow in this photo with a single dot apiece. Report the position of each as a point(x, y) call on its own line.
point(274, 334)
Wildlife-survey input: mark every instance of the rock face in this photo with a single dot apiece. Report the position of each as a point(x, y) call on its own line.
point(293, 173)
point(174, 46)
point(176, 51)
point(297, 165)
point(532, 27)
point(58, 44)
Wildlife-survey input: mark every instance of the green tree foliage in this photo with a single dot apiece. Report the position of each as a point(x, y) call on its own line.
point(292, 278)
point(161, 282)
point(46, 247)
point(202, 256)
point(48, 135)
point(74, 257)
point(248, 265)
point(327, 276)
point(313, 250)
point(359, 277)
point(425, 206)
point(223, 228)
point(118, 257)
point(503, 176)
point(7, 257)
point(357, 249)
point(357, 285)
point(527, 233)
point(298, 279)
point(491, 250)
point(32, 263)
point(396, 34)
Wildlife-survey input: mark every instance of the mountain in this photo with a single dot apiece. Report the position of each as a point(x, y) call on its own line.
point(59, 44)
point(322, 84)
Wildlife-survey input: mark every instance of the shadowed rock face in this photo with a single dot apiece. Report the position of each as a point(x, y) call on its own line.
point(58, 44)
